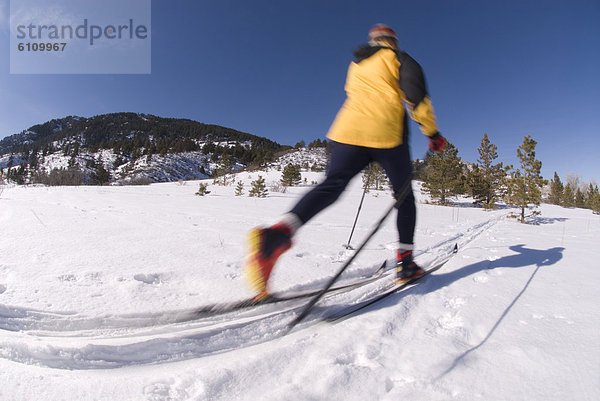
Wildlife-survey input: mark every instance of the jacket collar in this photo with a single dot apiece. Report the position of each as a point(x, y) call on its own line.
point(365, 51)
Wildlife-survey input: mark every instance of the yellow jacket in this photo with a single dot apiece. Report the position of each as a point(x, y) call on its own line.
point(379, 83)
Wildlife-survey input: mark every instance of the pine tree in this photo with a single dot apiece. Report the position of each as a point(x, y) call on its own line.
point(300, 145)
point(102, 175)
point(443, 176)
point(317, 143)
point(259, 189)
point(418, 167)
point(524, 187)
point(593, 198)
point(20, 174)
point(239, 189)
point(374, 177)
point(261, 159)
point(484, 181)
point(224, 169)
point(579, 198)
point(33, 161)
point(556, 190)
point(568, 198)
point(203, 189)
point(291, 175)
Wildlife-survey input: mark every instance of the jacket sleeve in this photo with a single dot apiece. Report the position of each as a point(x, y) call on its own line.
point(412, 83)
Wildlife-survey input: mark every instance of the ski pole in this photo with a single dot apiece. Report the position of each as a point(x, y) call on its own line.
point(360, 205)
point(399, 199)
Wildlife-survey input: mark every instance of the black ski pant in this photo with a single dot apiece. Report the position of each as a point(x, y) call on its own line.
point(345, 162)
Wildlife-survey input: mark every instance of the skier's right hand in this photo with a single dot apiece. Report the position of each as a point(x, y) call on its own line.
point(437, 142)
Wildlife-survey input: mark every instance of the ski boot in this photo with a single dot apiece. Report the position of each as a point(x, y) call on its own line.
point(406, 269)
point(265, 246)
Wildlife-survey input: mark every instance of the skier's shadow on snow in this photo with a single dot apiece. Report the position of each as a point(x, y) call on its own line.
point(524, 257)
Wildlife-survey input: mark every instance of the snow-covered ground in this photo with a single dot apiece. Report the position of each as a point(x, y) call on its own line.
point(92, 280)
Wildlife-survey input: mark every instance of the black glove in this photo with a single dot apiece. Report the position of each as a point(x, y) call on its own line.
point(437, 142)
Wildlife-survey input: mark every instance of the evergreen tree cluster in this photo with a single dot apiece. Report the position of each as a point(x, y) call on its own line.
point(127, 132)
point(258, 188)
point(445, 175)
point(317, 143)
point(574, 194)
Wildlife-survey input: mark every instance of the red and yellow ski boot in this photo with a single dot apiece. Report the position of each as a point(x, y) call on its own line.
point(265, 246)
point(406, 269)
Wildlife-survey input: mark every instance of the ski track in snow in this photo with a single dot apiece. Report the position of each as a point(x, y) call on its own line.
point(131, 339)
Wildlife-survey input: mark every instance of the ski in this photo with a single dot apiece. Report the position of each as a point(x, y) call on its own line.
point(395, 288)
point(223, 308)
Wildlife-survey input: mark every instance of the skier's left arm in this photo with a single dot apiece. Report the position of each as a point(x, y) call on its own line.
point(412, 83)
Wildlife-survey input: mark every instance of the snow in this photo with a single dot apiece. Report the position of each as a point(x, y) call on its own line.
point(93, 281)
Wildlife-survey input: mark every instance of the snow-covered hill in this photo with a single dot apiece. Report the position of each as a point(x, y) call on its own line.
point(131, 147)
point(90, 278)
point(162, 168)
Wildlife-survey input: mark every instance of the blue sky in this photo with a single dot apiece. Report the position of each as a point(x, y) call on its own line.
point(277, 69)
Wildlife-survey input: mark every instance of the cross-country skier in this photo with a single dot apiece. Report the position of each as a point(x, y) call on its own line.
point(383, 84)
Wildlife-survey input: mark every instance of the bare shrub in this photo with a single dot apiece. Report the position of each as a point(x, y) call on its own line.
point(139, 180)
point(60, 177)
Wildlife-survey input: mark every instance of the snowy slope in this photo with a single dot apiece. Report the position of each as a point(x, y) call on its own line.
point(93, 280)
point(316, 157)
point(170, 167)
